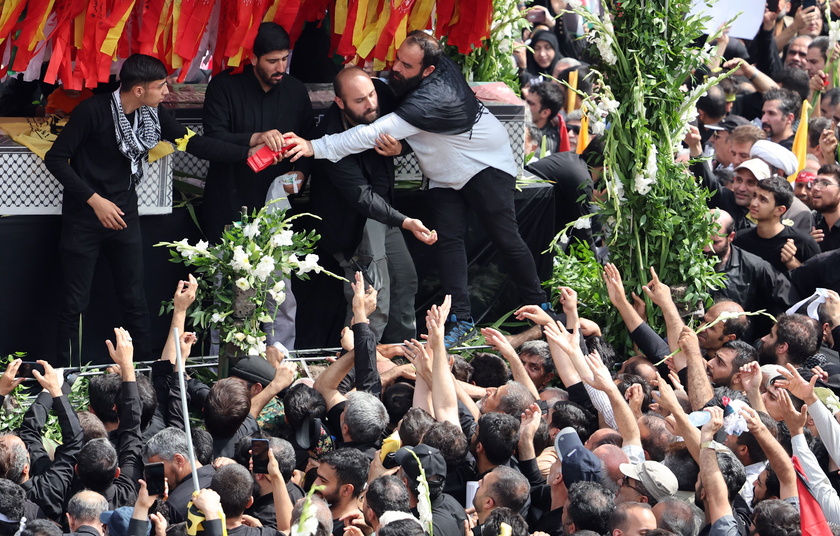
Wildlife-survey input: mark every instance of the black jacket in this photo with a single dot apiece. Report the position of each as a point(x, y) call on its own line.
point(358, 187)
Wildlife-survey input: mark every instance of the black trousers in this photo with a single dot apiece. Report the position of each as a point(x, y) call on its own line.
point(490, 195)
point(80, 246)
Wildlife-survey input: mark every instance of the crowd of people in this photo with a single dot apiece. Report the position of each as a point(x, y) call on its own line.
point(693, 432)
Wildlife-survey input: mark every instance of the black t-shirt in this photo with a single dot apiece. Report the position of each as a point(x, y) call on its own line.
point(770, 249)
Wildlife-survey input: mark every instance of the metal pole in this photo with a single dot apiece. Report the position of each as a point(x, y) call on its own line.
point(179, 361)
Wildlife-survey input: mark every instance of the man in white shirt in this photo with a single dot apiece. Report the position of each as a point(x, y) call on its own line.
point(464, 151)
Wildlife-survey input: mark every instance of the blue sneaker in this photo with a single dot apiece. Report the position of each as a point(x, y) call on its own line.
point(458, 332)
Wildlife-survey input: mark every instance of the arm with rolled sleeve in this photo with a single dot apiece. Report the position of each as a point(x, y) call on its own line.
point(334, 147)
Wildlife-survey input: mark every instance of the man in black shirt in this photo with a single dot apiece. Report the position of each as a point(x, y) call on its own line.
point(99, 158)
point(783, 247)
point(355, 196)
point(250, 109)
point(825, 200)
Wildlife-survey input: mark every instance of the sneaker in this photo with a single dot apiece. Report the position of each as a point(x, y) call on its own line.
point(458, 332)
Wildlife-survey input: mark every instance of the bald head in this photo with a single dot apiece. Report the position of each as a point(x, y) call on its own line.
point(356, 96)
point(345, 76)
point(611, 457)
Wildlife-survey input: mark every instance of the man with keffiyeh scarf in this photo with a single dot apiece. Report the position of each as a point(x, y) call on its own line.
point(100, 157)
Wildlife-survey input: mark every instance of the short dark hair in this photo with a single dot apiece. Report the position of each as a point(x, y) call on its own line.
point(775, 517)
point(140, 69)
point(800, 334)
point(226, 408)
point(92, 426)
point(590, 506)
point(104, 390)
point(830, 169)
point(793, 79)
point(656, 443)
point(678, 459)
point(12, 500)
point(510, 489)
point(429, 45)
point(271, 37)
point(739, 325)
point(567, 413)
point(593, 154)
point(789, 101)
point(351, 467)
point(489, 370)
point(414, 425)
point(744, 353)
point(402, 527)
point(539, 349)
point(498, 434)
point(677, 517)
point(398, 399)
point(387, 493)
point(449, 440)
point(713, 103)
point(302, 401)
point(821, 43)
point(733, 473)
point(461, 369)
point(202, 445)
point(816, 126)
point(235, 486)
point(781, 190)
point(551, 96)
point(41, 527)
point(492, 525)
point(97, 464)
point(747, 438)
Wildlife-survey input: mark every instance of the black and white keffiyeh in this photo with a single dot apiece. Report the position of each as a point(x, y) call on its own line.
point(135, 141)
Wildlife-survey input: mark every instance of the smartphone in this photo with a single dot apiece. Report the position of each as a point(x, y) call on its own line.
point(27, 367)
point(808, 3)
point(154, 477)
point(259, 455)
point(536, 15)
point(773, 5)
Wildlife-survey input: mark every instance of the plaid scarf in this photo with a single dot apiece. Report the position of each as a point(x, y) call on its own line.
point(136, 140)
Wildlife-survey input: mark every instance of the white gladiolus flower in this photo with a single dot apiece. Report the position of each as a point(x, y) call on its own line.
point(608, 105)
point(257, 348)
point(583, 223)
point(564, 239)
point(216, 318)
point(574, 4)
point(202, 247)
point(642, 184)
point(283, 238)
point(309, 264)
point(239, 336)
point(252, 229)
point(265, 318)
point(240, 260)
point(243, 283)
point(264, 268)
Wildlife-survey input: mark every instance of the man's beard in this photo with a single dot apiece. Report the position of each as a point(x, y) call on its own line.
point(266, 78)
point(369, 116)
point(401, 85)
point(768, 130)
point(767, 354)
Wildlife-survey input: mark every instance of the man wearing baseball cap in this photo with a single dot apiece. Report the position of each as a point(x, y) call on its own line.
point(447, 514)
point(646, 482)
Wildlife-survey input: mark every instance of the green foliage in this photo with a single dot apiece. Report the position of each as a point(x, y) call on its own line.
point(654, 212)
point(16, 404)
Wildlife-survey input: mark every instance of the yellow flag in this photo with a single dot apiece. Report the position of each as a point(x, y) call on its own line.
point(800, 141)
point(571, 93)
point(583, 136)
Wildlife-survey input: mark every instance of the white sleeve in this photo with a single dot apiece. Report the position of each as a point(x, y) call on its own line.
point(601, 402)
point(820, 486)
point(334, 147)
point(828, 427)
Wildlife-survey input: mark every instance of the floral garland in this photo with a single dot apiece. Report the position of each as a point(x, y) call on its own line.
point(253, 256)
